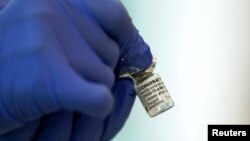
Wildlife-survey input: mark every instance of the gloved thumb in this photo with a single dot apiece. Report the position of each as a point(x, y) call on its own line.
point(115, 20)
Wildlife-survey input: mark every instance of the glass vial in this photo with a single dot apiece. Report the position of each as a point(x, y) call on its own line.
point(153, 93)
point(151, 90)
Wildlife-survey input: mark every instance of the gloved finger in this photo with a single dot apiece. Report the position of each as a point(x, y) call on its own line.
point(81, 56)
point(36, 90)
point(75, 93)
point(124, 97)
point(25, 133)
point(94, 35)
point(55, 127)
point(39, 28)
point(114, 19)
point(87, 128)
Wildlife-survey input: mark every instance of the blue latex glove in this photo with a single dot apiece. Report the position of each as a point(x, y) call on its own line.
point(3, 3)
point(47, 64)
point(135, 52)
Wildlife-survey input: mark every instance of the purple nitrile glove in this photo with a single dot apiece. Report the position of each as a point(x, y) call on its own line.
point(95, 20)
point(48, 65)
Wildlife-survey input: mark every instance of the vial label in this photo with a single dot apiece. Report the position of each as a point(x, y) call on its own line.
point(154, 95)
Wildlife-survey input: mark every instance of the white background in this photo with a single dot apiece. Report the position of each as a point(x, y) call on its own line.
point(203, 50)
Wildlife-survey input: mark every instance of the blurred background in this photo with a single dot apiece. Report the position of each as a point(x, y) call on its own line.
point(203, 51)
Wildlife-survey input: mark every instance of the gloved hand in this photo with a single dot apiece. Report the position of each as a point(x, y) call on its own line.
point(48, 64)
point(135, 52)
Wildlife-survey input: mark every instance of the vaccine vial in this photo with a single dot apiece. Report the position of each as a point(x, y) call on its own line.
point(151, 91)
point(153, 94)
